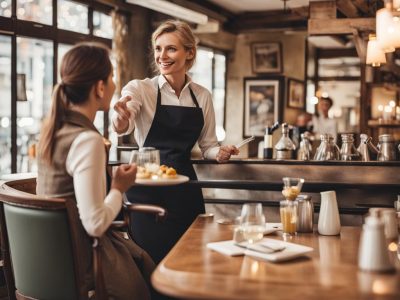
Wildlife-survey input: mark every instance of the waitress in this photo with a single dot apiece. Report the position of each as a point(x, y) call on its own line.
point(171, 113)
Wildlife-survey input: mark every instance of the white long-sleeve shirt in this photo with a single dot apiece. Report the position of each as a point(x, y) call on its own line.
point(144, 102)
point(86, 162)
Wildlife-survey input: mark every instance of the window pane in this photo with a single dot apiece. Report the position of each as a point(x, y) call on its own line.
point(62, 49)
point(5, 105)
point(5, 8)
point(35, 10)
point(72, 16)
point(339, 67)
point(35, 65)
point(219, 94)
point(102, 25)
point(202, 69)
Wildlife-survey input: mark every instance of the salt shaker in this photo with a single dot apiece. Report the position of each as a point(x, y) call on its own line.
point(329, 220)
point(305, 217)
point(373, 254)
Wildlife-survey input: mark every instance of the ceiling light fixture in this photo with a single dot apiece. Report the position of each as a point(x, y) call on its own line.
point(375, 54)
point(173, 10)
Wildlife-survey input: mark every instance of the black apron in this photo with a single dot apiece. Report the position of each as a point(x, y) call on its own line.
point(174, 131)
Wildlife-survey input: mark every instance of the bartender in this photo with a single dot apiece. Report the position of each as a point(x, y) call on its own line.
point(321, 122)
point(171, 113)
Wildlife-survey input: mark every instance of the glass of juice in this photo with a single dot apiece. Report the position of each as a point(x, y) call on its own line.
point(288, 207)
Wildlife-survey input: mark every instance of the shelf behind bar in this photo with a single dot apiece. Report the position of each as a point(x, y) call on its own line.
point(277, 186)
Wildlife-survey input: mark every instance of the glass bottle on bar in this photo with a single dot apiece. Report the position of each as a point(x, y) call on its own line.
point(285, 147)
point(348, 151)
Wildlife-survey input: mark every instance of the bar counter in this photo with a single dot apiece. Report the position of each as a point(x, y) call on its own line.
point(191, 271)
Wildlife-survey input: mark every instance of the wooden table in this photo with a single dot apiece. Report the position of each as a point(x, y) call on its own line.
point(191, 271)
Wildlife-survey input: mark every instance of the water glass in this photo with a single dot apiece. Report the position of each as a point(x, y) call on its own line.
point(146, 157)
point(252, 222)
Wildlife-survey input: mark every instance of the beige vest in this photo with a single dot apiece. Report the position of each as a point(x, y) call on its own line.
point(53, 180)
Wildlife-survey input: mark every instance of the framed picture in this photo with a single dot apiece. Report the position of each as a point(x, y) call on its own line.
point(295, 94)
point(266, 57)
point(261, 104)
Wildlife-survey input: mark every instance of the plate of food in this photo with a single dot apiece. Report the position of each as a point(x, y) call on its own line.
point(164, 175)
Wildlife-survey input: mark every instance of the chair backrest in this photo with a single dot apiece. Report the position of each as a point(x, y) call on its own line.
point(41, 245)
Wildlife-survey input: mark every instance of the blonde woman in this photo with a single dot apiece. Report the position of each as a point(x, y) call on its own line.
point(171, 113)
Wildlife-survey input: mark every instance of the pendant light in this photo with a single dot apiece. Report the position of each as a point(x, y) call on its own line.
point(388, 26)
point(375, 54)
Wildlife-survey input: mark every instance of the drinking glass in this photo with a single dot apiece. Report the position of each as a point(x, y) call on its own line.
point(252, 222)
point(288, 207)
point(148, 158)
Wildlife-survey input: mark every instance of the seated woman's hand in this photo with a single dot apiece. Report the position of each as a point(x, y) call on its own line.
point(124, 177)
point(122, 121)
point(225, 152)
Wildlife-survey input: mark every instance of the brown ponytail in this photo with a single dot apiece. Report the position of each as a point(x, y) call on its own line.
point(81, 67)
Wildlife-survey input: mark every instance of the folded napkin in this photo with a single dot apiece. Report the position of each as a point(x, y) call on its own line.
point(291, 250)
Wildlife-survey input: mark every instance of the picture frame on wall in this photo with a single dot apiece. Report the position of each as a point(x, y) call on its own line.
point(295, 94)
point(261, 104)
point(266, 57)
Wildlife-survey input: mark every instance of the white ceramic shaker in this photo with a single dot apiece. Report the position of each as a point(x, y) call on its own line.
point(329, 219)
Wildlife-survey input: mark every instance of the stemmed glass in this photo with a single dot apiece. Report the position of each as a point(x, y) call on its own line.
point(288, 207)
point(252, 222)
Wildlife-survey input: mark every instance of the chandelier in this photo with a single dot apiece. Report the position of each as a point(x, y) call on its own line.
point(387, 37)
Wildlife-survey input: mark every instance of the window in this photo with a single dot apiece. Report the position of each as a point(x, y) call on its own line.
point(209, 71)
point(40, 11)
point(5, 104)
point(5, 8)
point(30, 51)
point(102, 25)
point(72, 16)
point(35, 67)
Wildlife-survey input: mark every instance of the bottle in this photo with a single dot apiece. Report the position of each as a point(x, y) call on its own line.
point(285, 147)
point(363, 147)
point(386, 148)
point(329, 220)
point(305, 149)
point(327, 150)
point(348, 152)
point(373, 254)
point(268, 150)
point(305, 213)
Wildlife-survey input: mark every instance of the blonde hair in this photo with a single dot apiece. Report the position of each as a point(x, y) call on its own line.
point(185, 35)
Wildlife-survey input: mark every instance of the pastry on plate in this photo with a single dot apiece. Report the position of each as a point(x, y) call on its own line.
point(170, 173)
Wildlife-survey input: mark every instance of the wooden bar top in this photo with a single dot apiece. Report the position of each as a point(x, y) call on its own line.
point(191, 271)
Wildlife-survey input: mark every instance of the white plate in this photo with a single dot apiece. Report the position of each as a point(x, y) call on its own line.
point(291, 251)
point(163, 181)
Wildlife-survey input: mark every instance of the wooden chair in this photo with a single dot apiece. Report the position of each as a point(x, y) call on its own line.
point(41, 244)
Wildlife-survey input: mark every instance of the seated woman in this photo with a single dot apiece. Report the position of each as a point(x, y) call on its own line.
point(72, 164)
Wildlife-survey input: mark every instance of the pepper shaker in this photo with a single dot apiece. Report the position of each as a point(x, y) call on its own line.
point(305, 219)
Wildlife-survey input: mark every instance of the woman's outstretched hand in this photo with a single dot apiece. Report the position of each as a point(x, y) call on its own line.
point(225, 152)
point(124, 177)
point(121, 123)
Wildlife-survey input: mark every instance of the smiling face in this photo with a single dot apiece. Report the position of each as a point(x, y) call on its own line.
point(170, 55)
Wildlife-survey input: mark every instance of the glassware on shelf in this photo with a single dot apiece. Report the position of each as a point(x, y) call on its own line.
point(285, 146)
point(252, 222)
point(288, 207)
point(327, 150)
point(348, 151)
point(305, 149)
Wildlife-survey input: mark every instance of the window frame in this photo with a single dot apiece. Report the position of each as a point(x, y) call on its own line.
point(14, 27)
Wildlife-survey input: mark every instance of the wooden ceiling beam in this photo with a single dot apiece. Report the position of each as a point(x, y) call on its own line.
point(340, 26)
point(347, 8)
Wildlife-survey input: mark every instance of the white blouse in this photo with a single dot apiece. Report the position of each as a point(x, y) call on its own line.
point(86, 161)
point(144, 102)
